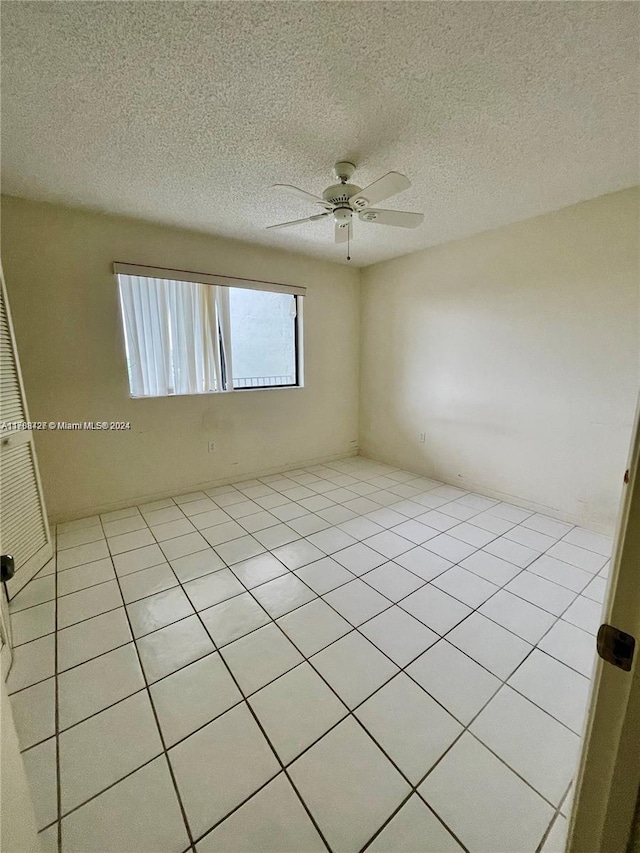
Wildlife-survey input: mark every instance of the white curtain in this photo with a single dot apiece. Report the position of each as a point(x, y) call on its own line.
point(173, 331)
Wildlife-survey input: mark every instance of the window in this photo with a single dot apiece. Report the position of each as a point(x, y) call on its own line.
point(263, 338)
point(200, 337)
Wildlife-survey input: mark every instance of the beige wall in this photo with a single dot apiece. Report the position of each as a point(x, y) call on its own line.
point(57, 264)
point(516, 352)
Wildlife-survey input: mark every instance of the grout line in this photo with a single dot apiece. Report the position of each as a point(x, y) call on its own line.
point(555, 817)
point(350, 711)
point(356, 628)
point(503, 682)
point(467, 728)
point(57, 703)
point(448, 531)
point(355, 577)
point(108, 787)
point(160, 733)
point(260, 726)
point(332, 556)
point(246, 800)
point(411, 794)
point(407, 518)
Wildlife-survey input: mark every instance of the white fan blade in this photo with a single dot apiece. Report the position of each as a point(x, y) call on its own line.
point(300, 221)
point(385, 187)
point(399, 218)
point(287, 188)
point(343, 234)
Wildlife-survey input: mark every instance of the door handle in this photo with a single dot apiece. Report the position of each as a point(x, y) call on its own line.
point(615, 646)
point(7, 567)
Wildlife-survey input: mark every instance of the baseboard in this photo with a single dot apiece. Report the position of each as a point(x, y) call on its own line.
point(516, 500)
point(148, 497)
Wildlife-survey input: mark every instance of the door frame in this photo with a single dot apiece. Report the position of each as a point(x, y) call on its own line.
point(608, 777)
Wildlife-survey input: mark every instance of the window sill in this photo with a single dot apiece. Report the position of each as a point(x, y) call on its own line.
point(266, 388)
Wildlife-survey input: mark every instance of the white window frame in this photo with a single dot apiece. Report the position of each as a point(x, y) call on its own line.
point(143, 271)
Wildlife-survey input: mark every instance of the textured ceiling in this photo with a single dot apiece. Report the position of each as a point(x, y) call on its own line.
point(186, 113)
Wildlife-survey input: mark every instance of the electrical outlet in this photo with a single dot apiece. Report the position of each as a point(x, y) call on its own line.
point(422, 437)
point(211, 446)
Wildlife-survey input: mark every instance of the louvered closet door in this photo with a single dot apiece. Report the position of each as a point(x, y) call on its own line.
point(24, 532)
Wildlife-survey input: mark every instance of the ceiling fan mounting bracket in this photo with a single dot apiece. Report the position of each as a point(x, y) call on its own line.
point(343, 170)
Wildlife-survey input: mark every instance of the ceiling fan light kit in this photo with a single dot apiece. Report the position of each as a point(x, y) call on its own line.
point(341, 201)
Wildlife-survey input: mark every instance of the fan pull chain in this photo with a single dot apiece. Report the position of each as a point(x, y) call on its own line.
point(348, 237)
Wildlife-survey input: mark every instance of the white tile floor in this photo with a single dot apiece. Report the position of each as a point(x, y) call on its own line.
point(342, 658)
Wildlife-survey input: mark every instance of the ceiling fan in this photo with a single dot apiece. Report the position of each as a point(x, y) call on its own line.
point(341, 201)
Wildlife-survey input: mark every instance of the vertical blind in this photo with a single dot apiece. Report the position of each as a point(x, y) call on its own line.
point(178, 328)
point(175, 335)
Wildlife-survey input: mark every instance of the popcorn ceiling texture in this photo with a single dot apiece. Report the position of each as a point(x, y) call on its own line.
point(186, 113)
